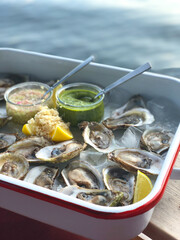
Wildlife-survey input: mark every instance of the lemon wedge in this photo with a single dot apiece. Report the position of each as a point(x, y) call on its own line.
point(61, 134)
point(143, 187)
point(27, 129)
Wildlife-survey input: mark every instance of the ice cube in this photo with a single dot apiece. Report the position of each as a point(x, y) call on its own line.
point(93, 157)
point(165, 112)
point(130, 138)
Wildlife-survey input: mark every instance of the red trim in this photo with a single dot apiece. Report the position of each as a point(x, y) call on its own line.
point(93, 213)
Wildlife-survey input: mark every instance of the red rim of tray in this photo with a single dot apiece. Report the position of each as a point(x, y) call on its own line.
point(93, 213)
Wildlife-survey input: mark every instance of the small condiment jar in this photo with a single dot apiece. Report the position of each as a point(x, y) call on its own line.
point(76, 103)
point(22, 100)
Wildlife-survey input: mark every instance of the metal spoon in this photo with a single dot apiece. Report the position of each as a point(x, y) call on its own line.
point(128, 76)
point(68, 75)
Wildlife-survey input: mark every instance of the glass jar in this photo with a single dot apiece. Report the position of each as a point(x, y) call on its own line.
point(75, 103)
point(23, 100)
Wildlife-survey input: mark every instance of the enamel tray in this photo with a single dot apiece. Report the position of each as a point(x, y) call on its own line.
point(73, 215)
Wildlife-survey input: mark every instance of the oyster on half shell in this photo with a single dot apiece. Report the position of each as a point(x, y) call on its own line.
point(29, 146)
point(134, 117)
point(83, 175)
point(117, 179)
point(43, 176)
point(13, 165)
point(134, 102)
point(60, 152)
point(156, 140)
point(6, 140)
point(137, 159)
point(96, 196)
point(99, 137)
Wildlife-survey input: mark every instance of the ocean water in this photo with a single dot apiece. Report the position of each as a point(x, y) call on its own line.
point(121, 33)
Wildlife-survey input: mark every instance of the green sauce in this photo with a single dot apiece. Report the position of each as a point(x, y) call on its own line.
point(77, 105)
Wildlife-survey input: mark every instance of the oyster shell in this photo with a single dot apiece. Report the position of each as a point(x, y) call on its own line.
point(60, 152)
point(5, 83)
point(96, 196)
point(82, 174)
point(43, 176)
point(156, 140)
point(4, 119)
point(117, 179)
point(134, 117)
point(136, 159)
point(134, 102)
point(28, 147)
point(6, 140)
point(99, 137)
point(13, 165)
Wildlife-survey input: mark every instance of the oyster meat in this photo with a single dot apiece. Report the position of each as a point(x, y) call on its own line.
point(99, 137)
point(43, 176)
point(137, 159)
point(28, 147)
point(6, 140)
point(83, 175)
point(134, 117)
point(156, 140)
point(60, 152)
point(117, 179)
point(134, 102)
point(13, 165)
point(96, 196)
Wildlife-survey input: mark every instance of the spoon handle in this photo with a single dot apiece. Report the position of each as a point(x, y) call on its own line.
point(69, 74)
point(128, 76)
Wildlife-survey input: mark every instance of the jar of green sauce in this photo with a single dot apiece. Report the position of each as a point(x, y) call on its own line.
point(76, 103)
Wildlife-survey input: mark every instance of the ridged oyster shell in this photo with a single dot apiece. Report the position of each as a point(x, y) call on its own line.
point(134, 117)
point(29, 146)
point(60, 152)
point(136, 159)
point(43, 176)
point(156, 140)
point(117, 179)
point(83, 175)
point(99, 137)
point(96, 196)
point(6, 140)
point(13, 165)
point(134, 102)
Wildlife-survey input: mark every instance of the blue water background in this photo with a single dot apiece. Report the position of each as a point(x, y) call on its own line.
point(121, 33)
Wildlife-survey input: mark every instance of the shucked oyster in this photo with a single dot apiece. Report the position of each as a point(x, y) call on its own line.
point(133, 117)
point(60, 152)
point(98, 136)
point(82, 174)
point(13, 165)
point(100, 197)
point(156, 140)
point(29, 146)
point(136, 159)
point(6, 140)
point(42, 176)
point(117, 179)
point(134, 102)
